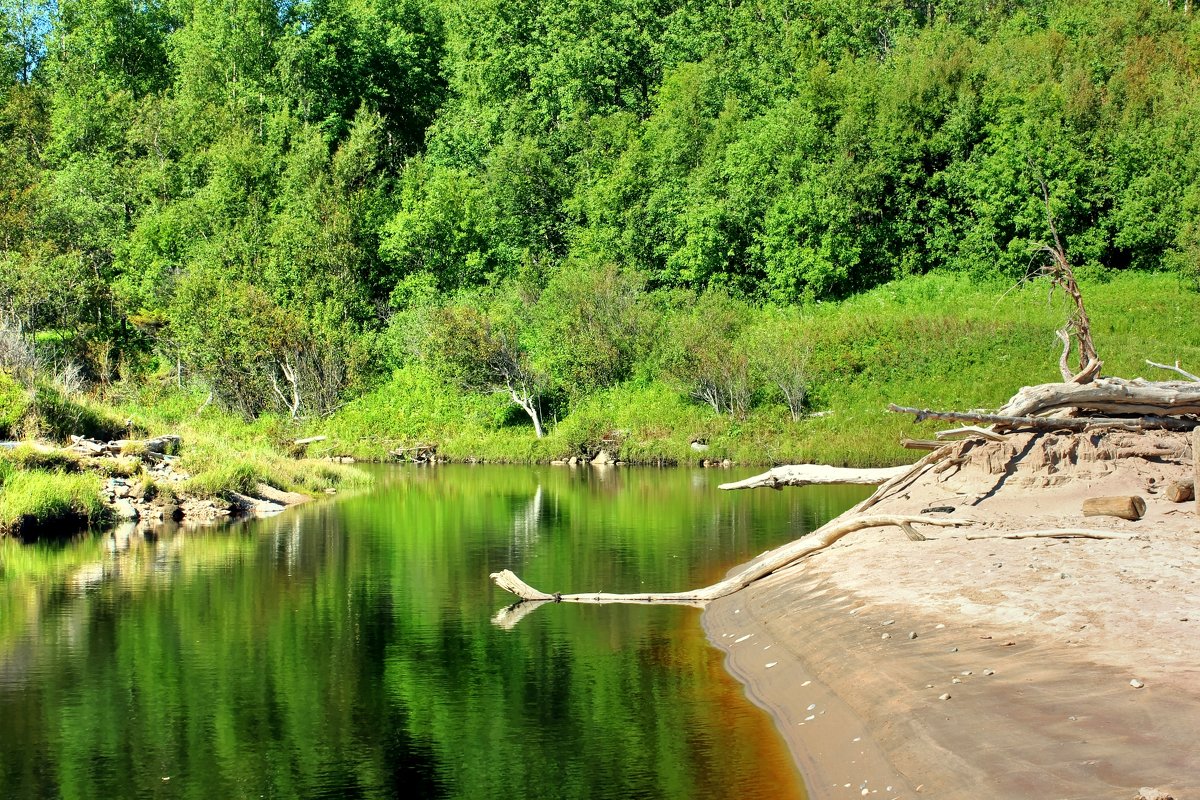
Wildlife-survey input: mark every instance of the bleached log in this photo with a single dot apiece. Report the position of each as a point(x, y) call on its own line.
point(817, 475)
point(1108, 396)
point(1053, 533)
point(1143, 423)
point(774, 561)
point(308, 440)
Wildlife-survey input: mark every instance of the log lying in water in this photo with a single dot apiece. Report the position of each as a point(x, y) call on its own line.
point(773, 562)
point(817, 474)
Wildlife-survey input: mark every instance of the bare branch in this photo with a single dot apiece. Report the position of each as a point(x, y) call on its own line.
point(1175, 368)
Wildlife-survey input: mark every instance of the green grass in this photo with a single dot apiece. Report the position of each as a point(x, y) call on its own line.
point(938, 341)
point(225, 453)
point(36, 499)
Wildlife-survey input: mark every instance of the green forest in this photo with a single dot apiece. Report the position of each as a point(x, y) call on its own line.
point(482, 221)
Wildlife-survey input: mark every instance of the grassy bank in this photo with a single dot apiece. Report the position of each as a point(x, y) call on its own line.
point(935, 341)
point(46, 491)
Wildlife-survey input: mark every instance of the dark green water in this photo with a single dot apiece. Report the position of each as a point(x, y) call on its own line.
point(346, 649)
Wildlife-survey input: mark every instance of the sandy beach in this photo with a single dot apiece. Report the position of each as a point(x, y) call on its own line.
point(992, 667)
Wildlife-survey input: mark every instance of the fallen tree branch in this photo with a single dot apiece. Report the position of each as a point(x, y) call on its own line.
point(1053, 533)
point(1175, 368)
point(774, 561)
point(816, 474)
point(1053, 423)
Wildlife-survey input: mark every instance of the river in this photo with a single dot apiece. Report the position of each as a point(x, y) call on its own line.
point(348, 648)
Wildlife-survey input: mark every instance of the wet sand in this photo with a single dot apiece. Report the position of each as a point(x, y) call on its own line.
point(1063, 626)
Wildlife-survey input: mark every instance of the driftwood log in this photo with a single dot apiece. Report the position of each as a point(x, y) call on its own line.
point(1142, 423)
point(773, 562)
point(1108, 396)
point(1130, 507)
point(1052, 533)
point(1180, 491)
point(817, 475)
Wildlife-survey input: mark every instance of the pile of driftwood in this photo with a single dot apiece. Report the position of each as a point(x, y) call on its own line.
point(156, 449)
point(415, 454)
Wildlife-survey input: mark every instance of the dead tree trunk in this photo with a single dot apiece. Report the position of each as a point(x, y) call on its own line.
point(1061, 275)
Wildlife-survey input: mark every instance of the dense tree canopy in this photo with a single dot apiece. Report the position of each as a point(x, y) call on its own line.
point(605, 159)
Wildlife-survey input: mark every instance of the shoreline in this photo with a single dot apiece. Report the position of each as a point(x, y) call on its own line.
point(1062, 625)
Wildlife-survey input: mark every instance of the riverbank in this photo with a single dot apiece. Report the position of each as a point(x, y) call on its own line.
point(998, 668)
point(86, 464)
point(934, 341)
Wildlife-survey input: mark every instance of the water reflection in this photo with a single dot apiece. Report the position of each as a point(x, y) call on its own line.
point(347, 649)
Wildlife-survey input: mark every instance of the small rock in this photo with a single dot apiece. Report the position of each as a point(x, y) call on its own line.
point(956, 680)
point(1008, 644)
point(966, 672)
point(944, 696)
point(912, 634)
point(1135, 683)
point(124, 509)
point(888, 622)
point(1147, 793)
point(989, 672)
point(952, 650)
point(886, 636)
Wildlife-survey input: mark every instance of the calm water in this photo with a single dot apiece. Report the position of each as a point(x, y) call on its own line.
point(347, 648)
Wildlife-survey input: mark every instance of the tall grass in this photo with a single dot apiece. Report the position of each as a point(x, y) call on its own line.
point(32, 499)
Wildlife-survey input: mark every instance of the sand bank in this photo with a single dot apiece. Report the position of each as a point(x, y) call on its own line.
point(1034, 641)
